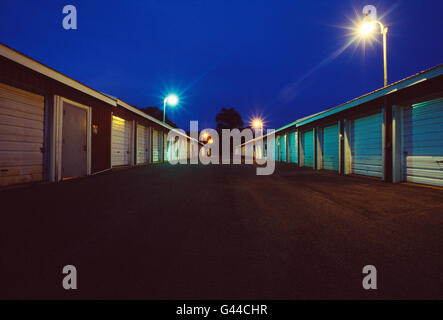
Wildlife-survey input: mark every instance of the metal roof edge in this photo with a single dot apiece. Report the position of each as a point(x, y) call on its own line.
point(393, 87)
point(39, 67)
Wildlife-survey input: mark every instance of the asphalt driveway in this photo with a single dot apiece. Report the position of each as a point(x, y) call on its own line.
point(221, 232)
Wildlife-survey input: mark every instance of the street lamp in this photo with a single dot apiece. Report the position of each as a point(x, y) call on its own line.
point(366, 28)
point(257, 123)
point(172, 100)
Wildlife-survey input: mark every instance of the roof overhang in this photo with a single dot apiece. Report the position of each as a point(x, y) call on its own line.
point(34, 65)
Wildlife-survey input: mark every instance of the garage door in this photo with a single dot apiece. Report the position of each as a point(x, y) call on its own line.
point(21, 136)
point(155, 146)
point(330, 147)
point(293, 152)
point(142, 144)
point(283, 148)
point(121, 141)
point(308, 149)
point(423, 143)
point(366, 145)
point(277, 148)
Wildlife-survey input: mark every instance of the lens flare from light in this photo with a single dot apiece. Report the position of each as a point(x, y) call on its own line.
point(367, 28)
point(172, 100)
point(257, 123)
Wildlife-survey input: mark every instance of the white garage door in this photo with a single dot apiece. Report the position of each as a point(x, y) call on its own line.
point(155, 146)
point(366, 146)
point(329, 140)
point(142, 144)
point(121, 141)
point(21, 136)
point(423, 143)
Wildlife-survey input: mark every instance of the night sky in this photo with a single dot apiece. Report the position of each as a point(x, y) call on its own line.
point(281, 60)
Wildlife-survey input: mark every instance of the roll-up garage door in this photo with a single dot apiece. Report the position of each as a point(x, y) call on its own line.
point(366, 145)
point(21, 136)
point(155, 146)
point(330, 147)
point(283, 148)
point(277, 148)
point(121, 141)
point(308, 148)
point(142, 144)
point(423, 143)
point(293, 150)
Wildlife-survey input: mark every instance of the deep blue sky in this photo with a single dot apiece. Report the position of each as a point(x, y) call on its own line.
point(260, 57)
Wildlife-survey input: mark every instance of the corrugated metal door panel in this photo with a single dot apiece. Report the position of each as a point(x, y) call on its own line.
point(21, 136)
point(277, 148)
point(330, 147)
point(121, 137)
point(283, 148)
point(366, 145)
point(293, 150)
point(308, 149)
point(423, 143)
point(142, 149)
point(155, 146)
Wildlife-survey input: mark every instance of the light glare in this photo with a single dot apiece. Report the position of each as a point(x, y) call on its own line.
point(172, 100)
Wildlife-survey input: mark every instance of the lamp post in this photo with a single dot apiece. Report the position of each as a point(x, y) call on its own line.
point(172, 100)
point(366, 28)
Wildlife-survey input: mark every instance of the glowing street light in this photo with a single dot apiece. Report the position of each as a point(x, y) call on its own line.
point(205, 135)
point(367, 27)
point(172, 100)
point(257, 123)
point(210, 141)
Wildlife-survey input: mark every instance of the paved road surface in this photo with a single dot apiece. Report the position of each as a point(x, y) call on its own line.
point(221, 232)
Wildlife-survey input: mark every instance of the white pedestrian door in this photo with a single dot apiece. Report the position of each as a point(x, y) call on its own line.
point(423, 143)
point(21, 136)
point(74, 142)
point(366, 146)
point(142, 144)
point(121, 142)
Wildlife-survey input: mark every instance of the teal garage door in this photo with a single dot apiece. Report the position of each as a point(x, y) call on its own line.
point(308, 149)
point(277, 148)
point(283, 148)
point(423, 143)
point(293, 150)
point(330, 148)
point(366, 146)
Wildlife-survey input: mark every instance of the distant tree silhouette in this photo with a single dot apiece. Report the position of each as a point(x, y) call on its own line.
point(158, 114)
point(228, 118)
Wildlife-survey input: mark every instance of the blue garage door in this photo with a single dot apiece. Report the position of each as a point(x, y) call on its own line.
point(366, 146)
point(283, 148)
point(330, 148)
point(293, 150)
point(423, 143)
point(308, 149)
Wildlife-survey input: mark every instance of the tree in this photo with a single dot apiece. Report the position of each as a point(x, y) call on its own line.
point(158, 114)
point(228, 118)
